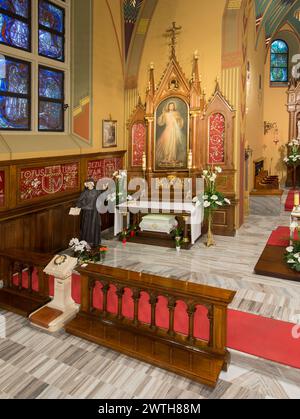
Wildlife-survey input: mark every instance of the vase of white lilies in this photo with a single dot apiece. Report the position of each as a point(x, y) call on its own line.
point(81, 249)
point(212, 200)
point(293, 158)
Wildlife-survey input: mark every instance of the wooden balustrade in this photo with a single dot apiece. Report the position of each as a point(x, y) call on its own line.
point(197, 358)
point(15, 265)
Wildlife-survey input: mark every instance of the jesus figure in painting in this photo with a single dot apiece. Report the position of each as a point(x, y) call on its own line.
point(170, 144)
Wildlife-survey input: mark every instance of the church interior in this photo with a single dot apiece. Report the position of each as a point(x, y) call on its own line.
point(150, 199)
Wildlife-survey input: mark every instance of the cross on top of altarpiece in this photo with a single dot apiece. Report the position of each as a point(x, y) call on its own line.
point(173, 32)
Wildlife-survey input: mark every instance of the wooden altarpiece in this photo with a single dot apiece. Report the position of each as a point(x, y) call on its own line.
point(293, 107)
point(210, 135)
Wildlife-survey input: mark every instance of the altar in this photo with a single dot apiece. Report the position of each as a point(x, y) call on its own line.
point(189, 218)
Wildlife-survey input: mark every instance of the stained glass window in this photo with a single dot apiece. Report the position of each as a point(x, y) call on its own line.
point(51, 30)
point(15, 95)
point(15, 23)
point(51, 99)
point(279, 62)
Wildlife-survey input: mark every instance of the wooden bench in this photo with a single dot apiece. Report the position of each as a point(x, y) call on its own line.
point(201, 360)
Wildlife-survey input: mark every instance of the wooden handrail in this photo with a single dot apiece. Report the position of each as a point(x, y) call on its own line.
point(202, 360)
point(14, 297)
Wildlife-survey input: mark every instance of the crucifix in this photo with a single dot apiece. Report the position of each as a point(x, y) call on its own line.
point(173, 33)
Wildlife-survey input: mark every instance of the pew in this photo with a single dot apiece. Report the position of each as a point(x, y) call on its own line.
point(172, 324)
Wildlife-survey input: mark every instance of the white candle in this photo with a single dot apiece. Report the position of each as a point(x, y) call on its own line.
point(144, 162)
point(190, 160)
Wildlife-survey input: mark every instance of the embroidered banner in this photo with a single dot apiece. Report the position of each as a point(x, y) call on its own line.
point(2, 188)
point(43, 181)
point(138, 144)
point(217, 138)
point(98, 169)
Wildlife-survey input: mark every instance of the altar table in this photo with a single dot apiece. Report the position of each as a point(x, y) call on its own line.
point(192, 214)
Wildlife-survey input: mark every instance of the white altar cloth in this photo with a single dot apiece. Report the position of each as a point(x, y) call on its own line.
point(148, 207)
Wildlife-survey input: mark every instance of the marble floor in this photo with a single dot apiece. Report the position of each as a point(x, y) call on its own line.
point(34, 364)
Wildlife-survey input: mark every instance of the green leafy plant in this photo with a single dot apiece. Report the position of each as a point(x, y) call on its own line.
point(292, 256)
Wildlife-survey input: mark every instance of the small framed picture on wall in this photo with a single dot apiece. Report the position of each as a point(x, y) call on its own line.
point(110, 133)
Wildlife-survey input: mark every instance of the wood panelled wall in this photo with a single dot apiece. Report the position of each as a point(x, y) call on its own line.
point(39, 219)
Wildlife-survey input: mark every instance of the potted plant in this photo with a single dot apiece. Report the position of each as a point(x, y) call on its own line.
point(211, 200)
point(177, 234)
point(81, 249)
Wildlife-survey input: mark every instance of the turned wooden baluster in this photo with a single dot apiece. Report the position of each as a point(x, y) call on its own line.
point(153, 301)
point(120, 292)
point(171, 306)
point(105, 290)
point(136, 295)
point(91, 307)
point(210, 316)
point(30, 272)
point(20, 276)
point(191, 313)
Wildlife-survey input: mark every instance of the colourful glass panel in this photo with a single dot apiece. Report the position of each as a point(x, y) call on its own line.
point(279, 46)
point(138, 144)
point(279, 61)
point(217, 131)
point(279, 75)
point(14, 33)
point(50, 116)
point(17, 7)
point(51, 16)
point(50, 45)
point(50, 84)
point(16, 78)
point(14, 113)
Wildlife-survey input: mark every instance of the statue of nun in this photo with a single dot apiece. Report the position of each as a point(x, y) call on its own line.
point(90, 226)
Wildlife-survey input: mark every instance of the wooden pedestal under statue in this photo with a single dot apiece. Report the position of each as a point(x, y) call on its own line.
point(62, 308)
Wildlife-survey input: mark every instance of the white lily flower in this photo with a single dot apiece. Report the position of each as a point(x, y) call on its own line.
point(219, 203)
point(219, 169)
point(290, 249)
point(227, 201)
point(206, 204)
point(214, 198)
point(291, 261)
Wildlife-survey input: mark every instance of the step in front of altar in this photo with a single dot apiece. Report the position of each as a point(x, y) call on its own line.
point(158, 223)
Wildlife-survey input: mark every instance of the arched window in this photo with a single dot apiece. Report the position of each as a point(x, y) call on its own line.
point(35, 64)
point(279, 62)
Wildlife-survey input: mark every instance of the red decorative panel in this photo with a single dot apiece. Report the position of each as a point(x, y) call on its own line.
point(98, 169)
point(217, 131)
point(138, 144)
point(2, 188)
point(43, 181)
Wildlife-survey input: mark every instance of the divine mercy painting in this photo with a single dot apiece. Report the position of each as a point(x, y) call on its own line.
point(171, 135)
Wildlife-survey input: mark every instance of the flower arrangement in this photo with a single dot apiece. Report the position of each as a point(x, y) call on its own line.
point(84, 252)
point(292, 256)
point(80, 248)
point(212, 199)
point(293, 158)
point(177, 233)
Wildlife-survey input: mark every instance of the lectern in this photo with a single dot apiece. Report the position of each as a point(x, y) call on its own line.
point(62, 308)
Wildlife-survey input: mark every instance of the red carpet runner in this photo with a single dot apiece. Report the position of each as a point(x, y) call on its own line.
point(289, 204)
point(281, 237)
point(251, 334)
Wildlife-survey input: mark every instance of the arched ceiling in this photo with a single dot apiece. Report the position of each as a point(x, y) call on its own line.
point(271, 15)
